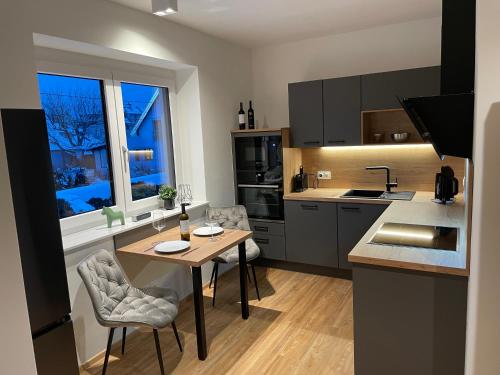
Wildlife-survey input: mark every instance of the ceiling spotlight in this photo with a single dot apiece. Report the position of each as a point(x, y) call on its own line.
point(164, 7)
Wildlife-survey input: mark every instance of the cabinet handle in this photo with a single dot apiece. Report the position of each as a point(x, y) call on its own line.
point(351, 208)
point(312, 143)
point(261, 241)
point(337, 141)
point(309, 206)
point(261, 229)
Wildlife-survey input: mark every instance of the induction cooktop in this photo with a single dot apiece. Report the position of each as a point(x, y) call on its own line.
point(412, 235)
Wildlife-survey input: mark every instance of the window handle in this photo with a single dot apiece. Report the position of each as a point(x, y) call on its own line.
point(125, 158)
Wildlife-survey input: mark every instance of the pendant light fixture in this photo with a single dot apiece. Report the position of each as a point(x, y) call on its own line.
point(164, 7)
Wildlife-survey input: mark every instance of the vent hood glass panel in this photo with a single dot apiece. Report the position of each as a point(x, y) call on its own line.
point(445, 121)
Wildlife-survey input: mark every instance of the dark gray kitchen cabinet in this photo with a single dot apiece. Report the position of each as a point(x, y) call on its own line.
point(379, 90)
point(271, 247)
point(408, 322)
point(270, 237)
point(310, 233)
point(341, 111)
point(354, 220)
point(305, 103)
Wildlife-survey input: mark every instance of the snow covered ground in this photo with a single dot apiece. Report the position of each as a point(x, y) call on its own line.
point(78, 197)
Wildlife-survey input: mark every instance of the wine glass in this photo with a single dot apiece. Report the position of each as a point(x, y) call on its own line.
point(159, 223)
point(210, 223)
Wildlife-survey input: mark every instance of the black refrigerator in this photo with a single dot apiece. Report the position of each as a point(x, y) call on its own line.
point(40, 242)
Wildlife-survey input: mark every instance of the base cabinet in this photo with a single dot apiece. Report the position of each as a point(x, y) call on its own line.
point(311, 233)
point(354, 220)
point(270, 237)
point(408, 322)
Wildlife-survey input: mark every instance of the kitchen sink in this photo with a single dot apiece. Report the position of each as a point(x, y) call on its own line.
point(370, 194)
point(398, 195)
point(379, 194)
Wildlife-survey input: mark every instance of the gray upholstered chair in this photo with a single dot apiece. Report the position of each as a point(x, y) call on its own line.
point(118, 304)
point(233, 217)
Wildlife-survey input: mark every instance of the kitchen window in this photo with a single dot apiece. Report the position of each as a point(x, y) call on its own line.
point(111, 141)
point(79, 144)
point(147, 144)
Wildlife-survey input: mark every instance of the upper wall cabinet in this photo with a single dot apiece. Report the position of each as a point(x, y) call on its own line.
point(379, 90)
point(305, 101)
point(328, 113)
point(341, 111)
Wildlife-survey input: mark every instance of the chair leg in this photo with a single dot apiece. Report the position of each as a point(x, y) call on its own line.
point(174, 327)
point(123, 339)
point(216, 268)
point(255, 281)
point(248, 275)
point(212, 277)
point(158, 351)
point(108, 349)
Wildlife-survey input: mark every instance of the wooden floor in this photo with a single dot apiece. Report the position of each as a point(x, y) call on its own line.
point(302, 325)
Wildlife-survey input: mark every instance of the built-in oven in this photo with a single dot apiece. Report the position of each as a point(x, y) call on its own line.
point(262, 201)
point(258, 162)
point(259, 159)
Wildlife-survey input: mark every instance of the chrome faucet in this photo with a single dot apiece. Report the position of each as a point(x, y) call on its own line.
point(388, 184)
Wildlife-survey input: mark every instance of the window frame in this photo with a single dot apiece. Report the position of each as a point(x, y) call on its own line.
point(169, 84)
point(116, 136)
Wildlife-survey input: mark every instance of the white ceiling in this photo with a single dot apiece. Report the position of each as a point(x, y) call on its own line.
point(260, 22)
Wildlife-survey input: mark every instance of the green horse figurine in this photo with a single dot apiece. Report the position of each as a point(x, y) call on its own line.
point(112, 216)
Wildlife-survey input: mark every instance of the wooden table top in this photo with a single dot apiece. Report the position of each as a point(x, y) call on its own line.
point(202, 249)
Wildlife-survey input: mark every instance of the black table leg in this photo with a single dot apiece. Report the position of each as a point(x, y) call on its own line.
point(199, 313)
point(243, 279)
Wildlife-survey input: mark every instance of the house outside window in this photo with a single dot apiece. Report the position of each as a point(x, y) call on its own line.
point(147, 126)
point(79, 148)
point(111, 142)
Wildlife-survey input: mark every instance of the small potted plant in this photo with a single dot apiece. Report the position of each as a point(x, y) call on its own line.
point(168, 195)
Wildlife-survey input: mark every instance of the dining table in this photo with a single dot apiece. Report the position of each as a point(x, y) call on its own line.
point(201, 250)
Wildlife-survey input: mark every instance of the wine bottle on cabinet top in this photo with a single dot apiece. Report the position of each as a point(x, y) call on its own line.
point(241, 117)
point(251, 117)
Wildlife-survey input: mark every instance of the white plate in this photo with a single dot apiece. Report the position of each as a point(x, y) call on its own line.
point(205, 231)
point(169, 247)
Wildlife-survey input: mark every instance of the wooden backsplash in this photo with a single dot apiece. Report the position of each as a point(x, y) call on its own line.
point(415, 166)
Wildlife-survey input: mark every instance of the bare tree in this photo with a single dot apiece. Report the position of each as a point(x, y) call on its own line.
point(71, 116)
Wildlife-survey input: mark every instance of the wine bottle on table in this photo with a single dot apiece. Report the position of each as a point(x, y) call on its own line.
point(251, 118)
point(184, 224)
point(241, 117)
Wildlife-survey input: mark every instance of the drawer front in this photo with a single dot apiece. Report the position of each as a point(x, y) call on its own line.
point(264, 227)
point(271, 247)
point(311, 233)
point(354, 220)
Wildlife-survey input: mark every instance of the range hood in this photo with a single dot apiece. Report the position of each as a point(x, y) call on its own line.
point(447, 120)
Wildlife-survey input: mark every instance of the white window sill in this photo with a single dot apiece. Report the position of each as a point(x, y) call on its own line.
point(88, 236)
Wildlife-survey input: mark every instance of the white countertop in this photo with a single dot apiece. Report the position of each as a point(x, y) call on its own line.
point(420, 210)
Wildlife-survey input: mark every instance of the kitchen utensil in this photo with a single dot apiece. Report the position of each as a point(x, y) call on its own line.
point(159, 222)
point(300, 181)
point(446, 186)
point(377, 137)
point(208, 231)
point(184, 194)
point(169, 247)
point(400, 137)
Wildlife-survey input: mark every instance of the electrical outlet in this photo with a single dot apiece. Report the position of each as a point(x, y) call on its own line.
point(324, 175)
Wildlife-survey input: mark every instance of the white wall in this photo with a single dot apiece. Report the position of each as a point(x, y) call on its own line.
point(483, 331)
point(224, 77)
point(400, 46)
point(16, 348)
